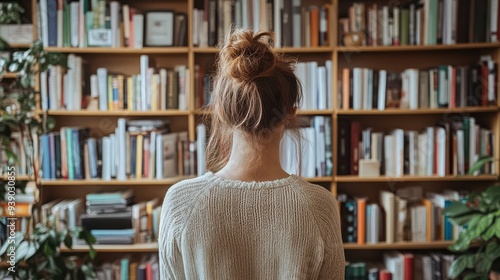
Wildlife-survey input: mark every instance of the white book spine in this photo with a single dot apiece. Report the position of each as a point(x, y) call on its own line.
point(77, 96)
point(102, 82)
point(122, 154)
point(163, 89)
point(256, 15)
point(322, 91)
point(152, 155)
point(472, 141)
point(357, 88)
point(388, 155)
point(144, 72)
point(94, 88)
point(44, 22)
point(311, 138)
point(159, 157)
point(106, 158)
point(114, 7)
point(74, 25)
point(382, 85)
point(413, 89)
point(60, 24)
point(329, 73)
point(313, 83)
point(52, 85)
point(138, 20)
point(399, 152)
point(44, 91)
point(430, 151)
point(297, 24)
point(201, 134)
point(386, 37)
point(441, 156)
point(493, 21)
point(114, 153)
point(278, 4)
point(69, 96)
point(460, 153)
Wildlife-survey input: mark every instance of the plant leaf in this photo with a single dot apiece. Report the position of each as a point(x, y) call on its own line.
point(479, 164)
point(21, 250)
point(68, 241)
point(458, 266)
point(472, 276)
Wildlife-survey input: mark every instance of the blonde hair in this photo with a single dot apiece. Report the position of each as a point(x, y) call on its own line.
point(255, 89)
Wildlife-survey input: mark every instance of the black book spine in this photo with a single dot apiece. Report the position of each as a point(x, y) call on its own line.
point(57, 150)
point(344, 148)
point(287, 25)
point(212, 22)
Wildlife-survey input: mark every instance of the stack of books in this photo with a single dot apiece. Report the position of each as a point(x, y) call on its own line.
point(127, 267)
point(23, 149)
point(109, 217)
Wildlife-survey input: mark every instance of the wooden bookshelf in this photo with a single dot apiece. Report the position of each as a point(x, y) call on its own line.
point(393, 58)
point(418, 48)
point(9, 75)
point(153, 247)
point(96, 50)
point(87, 113)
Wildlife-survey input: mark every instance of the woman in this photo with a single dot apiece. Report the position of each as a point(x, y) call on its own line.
point(250, 219)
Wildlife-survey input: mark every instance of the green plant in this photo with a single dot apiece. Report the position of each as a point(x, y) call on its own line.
point(10, 12)
point(480, 216)
point(38, 255)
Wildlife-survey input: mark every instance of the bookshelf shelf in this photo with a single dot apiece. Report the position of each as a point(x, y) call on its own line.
point(117, 113)
point(153, 247)
point(96, 50)
point(131, 182)
point(19, 177)
point(9, 75)
point(285, 50)
point(450, 178)
point(134, 248)
point(417, 48)
point(299, 112)
point(490, 109)
point(399, 245)
point(19, 46)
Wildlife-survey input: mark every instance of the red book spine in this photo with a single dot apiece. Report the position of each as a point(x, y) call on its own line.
point(408, 266)
point(385, 275)
point(355, 131)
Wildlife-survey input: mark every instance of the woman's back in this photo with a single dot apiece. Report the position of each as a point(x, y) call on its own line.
point(216, 228)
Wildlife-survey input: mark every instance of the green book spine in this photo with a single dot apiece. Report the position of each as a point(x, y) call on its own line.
point(89, 21)
point(69, 149)
point(405, 27)
point(66, 26)
point(124, 269)
point(466, 142)
point(433, 14)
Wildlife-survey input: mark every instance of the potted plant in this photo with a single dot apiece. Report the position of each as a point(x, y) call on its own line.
point(479, 242)
point(37, 254)
point(11, 27)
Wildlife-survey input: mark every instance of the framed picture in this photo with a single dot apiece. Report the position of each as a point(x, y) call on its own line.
point(159, 29)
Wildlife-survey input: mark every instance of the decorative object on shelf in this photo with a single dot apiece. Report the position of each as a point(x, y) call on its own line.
point(159, 29)
point(11, 28)
point(354, 39)
point(480, 213)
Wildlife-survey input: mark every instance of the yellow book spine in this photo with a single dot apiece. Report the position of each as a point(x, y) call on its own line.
point(154, 94)
point(110, 93)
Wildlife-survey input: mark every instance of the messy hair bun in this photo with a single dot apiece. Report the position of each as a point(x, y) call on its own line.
point(255, 89)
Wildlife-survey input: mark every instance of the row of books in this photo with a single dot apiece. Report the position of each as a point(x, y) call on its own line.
point(100, 23)
point(127, 267)
point(138, 149)
point(149, 90)
point(308, 154)
point(294, 24)
point(445, 86)
point(315, 80)
point(407, 215)
point(422, 22)
point(445, 149)
point(21, 147)
point(402, 266)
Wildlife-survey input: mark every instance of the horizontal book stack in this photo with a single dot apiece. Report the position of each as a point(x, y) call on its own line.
point(307, 151)
point(294, 24)
point(138, 149)
point(402, 266)
point(150, 90)
point(422, 22)
point(98, 23)
point(21, 213)
point(445, 149)
point(144, 268)
point(445, 86)
point(113, 218)
point(316, 84)
point(22, 148)
point(405, 216)
point(64, 88)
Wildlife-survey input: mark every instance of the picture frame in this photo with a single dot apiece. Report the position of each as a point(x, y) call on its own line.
point(159, 28)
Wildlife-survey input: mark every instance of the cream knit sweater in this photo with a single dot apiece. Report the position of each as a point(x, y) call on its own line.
point(215, 228)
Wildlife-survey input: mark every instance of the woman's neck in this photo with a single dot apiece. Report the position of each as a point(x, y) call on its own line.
point(267, 166)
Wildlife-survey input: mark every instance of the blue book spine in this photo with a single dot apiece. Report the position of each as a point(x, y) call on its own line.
point(69, 150)
point(44, 139)
point(448, 226)
point(124, 269)
point(52, 22)
point(92, 157)
point(52, 153)
point(77, 156)
point(133, 144)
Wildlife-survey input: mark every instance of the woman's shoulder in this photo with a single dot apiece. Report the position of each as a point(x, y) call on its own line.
point(186, 189)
